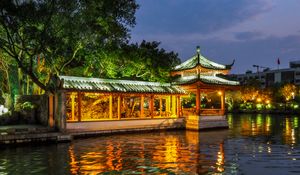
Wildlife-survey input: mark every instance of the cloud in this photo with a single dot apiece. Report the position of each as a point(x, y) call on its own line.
point(195, 16)
point(248, 35)
point(263, 51)
point(225, 30)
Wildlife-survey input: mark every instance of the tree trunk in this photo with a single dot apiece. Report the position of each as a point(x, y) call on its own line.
point(8, 82)
point(32, 76)
point(27, 85)
point(20, 81)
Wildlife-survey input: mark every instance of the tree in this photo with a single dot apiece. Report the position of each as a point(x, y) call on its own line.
point(56, 30)
point(251, 90)
point(232, 99)
point(147, 61)
point(288, 91)
point(144, 61)
point(4, 74)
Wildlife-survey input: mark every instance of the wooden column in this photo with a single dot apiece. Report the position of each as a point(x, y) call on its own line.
point(79, 106)
point(160, 106)
point(173, 105)
point(119, 107)
point(72, 106)
point(152, 106)
point(51, 111)
point(223, 102)
point(178, 106)
point(142, 106)
point(110, 107)
point(198, 101)
point(63, 111)
point(168, 105)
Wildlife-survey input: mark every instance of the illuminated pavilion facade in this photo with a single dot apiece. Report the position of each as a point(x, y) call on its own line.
point(206, 81)
point(198, 89)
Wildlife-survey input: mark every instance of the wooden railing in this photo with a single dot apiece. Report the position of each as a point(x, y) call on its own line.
point(192, 111)
point(211, 112)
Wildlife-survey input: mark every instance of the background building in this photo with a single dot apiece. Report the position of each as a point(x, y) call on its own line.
point(269, 77)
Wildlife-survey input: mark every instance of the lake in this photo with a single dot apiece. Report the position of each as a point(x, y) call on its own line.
point(253, 144)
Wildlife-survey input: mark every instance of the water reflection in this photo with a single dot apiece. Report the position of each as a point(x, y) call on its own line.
point(253, 144)
point(221, 159)
point(266, 143)
point(163, 153)
point(267, 125)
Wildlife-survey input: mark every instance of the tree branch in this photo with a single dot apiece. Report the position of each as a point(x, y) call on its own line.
point(72, 58)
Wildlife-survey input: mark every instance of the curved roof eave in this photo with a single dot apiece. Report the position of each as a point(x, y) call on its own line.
point(204, 62)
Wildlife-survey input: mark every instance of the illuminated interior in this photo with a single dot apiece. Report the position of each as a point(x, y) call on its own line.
point(90, 106)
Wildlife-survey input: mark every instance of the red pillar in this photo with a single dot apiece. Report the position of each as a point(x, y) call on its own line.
point(198, 101)
point(79, 106)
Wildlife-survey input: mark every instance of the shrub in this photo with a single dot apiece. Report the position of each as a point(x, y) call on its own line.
point(26, 106)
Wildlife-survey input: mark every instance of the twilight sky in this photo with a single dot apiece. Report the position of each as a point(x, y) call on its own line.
point(249, 31)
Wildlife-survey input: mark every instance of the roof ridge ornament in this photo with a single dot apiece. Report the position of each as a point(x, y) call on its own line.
point(230, 65)
point(198, 54)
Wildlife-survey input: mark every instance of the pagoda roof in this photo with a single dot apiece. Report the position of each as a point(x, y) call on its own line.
point(113, 85)
point(207, 79)
point(194, 61)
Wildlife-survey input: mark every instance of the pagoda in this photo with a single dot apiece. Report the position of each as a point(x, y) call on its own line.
point(206, 84)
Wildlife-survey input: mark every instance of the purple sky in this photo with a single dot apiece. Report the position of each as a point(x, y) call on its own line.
point(249, 31)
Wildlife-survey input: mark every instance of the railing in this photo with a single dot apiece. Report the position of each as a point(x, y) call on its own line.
point(207, 112)
point(211, 112)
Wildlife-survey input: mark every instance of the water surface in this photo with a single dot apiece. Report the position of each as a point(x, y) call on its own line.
point(254, 144)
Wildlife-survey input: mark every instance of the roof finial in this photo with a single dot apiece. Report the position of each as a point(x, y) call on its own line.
point(198, 54)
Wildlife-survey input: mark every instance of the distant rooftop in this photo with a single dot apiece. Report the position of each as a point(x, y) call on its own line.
point(295, 64)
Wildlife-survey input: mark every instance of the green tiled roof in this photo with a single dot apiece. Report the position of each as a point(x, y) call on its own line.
point(204, 62)
point(112, 85)
point(208, 79)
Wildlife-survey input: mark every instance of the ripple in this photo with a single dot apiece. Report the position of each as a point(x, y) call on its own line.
point(267, 145)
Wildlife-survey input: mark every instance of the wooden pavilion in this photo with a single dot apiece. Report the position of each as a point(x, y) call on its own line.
point(94, 102)
point(206, 81)
point(198, 89)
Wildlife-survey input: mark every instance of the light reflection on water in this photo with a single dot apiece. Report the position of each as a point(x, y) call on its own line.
point(254, 144)
point(163, 153)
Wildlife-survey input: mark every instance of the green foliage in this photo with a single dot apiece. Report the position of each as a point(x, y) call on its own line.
point(288, 91)
point(8, 100)
point(189, 101)
point(144, 61)
point(81, 38)
point(232, 100)
point(24, 106)
point(57, 30)
point(147, 61)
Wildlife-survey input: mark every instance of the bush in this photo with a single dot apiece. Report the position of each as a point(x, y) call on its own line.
point(26, 106)
point(26, 112)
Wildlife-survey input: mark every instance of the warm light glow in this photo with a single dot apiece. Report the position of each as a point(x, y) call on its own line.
point(171, 153)
point(219, 92)
point(74, 168)
point(220, 159)
point(268, 101)
point(258, 100)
